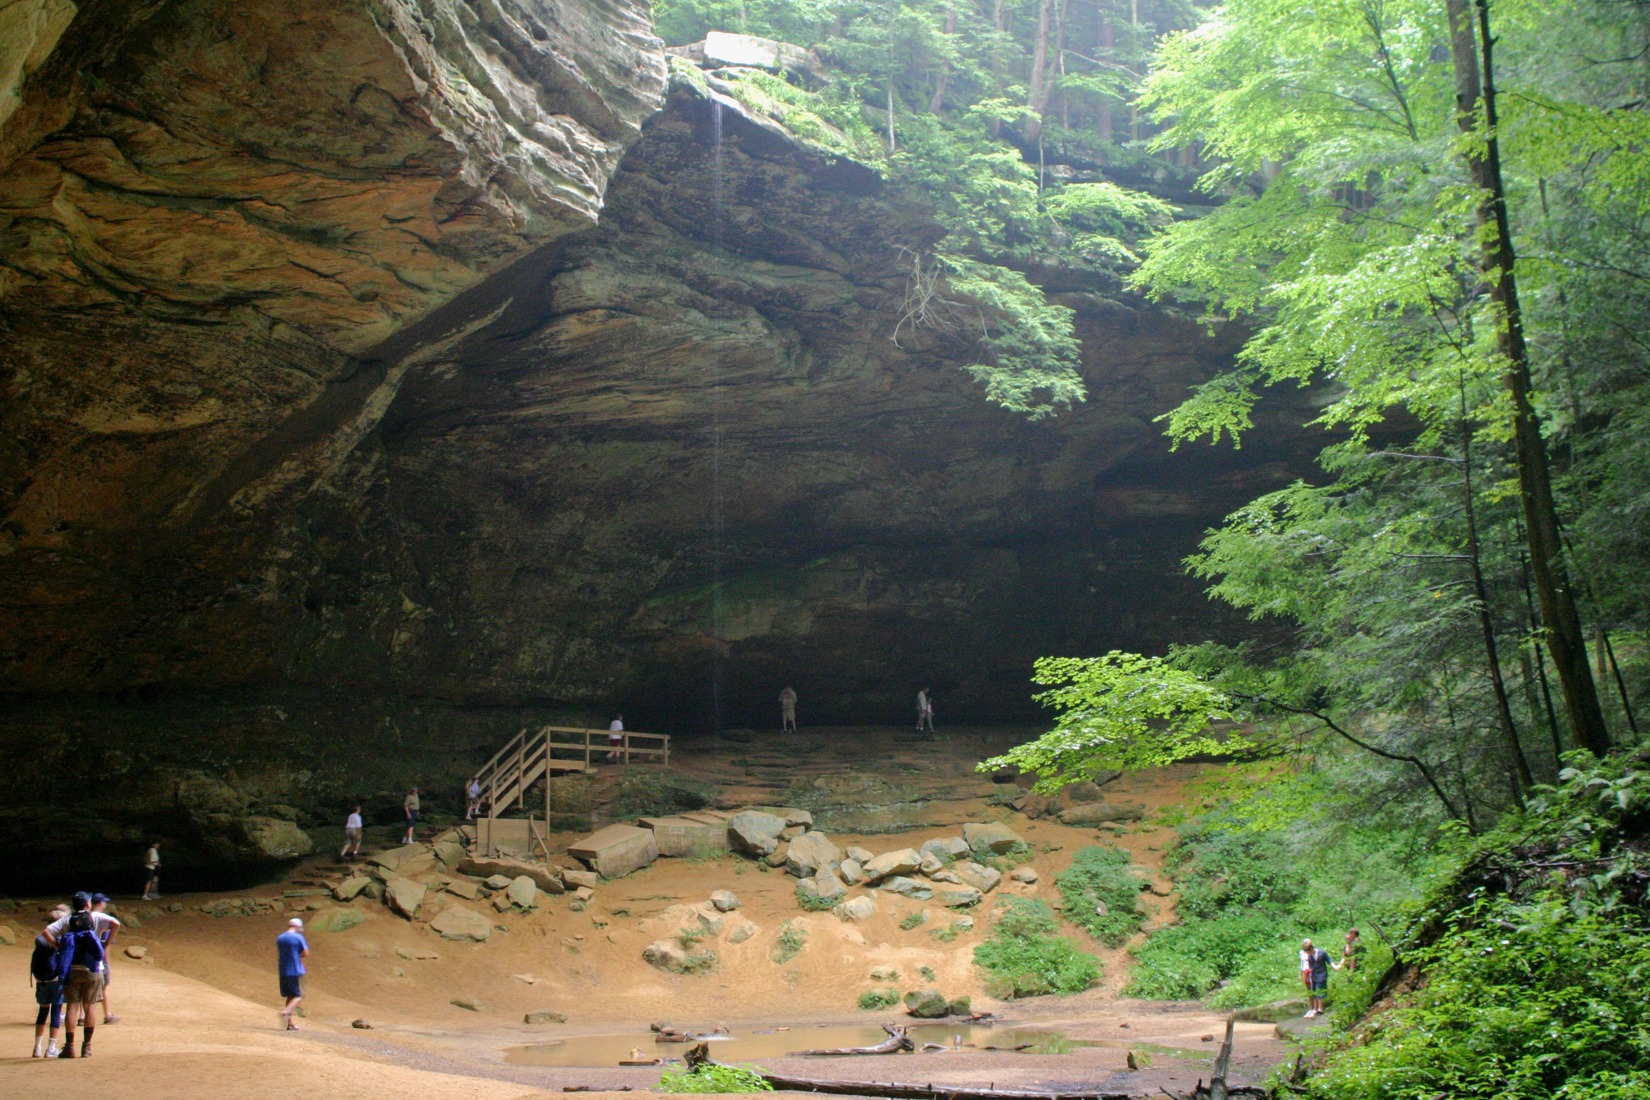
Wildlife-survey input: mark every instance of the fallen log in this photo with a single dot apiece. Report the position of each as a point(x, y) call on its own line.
point(896, 1043)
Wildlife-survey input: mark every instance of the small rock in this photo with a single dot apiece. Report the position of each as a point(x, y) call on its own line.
point(459, 923)
point(851, 871)
point(1024, 874)
point(885, 974)
point(857, 854)
point(588, 879)
point(582, 895)
point(346, 890)
point(754, 833)
point(133, 951)
point(776, 858)
point(361, 1024)
point(545, 1016)
point(724, 900)
point(468, 889)
point(524, 893)
point(468, 1004)
point(859, 908)
point(404, 896)
point(946, 847)
point(498, 882)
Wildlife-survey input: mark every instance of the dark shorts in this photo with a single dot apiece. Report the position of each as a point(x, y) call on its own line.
point(1320, 988)
point(84, 987)
point(48, 993)
point(412, 818)
point(291, 985)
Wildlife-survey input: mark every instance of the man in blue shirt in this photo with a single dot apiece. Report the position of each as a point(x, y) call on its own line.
point(293, 949)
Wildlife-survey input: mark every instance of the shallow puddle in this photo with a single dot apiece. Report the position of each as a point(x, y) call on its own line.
point(747, 1046)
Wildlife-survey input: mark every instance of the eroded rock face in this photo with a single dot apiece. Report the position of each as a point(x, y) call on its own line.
point(361, 406)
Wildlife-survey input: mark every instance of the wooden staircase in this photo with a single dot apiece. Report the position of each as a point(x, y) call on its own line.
point(533, 754)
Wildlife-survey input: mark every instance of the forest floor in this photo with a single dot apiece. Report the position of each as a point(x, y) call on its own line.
point(198, 1012)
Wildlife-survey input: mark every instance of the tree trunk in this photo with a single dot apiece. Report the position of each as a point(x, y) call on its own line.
point(937, 103)
point(999, 20)
point(1469, 39)
point(1040, 83)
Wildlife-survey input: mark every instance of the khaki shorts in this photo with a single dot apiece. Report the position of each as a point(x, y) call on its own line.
point(84, 987)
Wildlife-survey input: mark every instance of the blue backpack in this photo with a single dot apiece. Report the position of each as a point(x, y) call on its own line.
point(79, 946)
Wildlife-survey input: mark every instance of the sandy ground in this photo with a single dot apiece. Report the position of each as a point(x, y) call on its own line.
point(199, 1012)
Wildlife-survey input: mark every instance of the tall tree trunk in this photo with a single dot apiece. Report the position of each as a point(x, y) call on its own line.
point(1522, 780)
point(999, 20)
point(936, 104)
point(1040, 83)
point(1469, 40)
point(1105, 45)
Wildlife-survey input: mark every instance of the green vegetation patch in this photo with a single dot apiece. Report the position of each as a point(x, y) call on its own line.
point(873, 999)
point(789, 944)
point(1102, 894)
point(1024, 958)
point(715, 1078)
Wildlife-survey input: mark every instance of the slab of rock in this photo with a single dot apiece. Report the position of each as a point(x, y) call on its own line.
point(957, 897)
point(946, 847)
point(907, 888)
point(856, 909)
point(576, 879)
point(523, 893)
point(583, 893)
point(346, 890)
point(339, 918)
point(617, 850)
point(498, 882)
point(725, 901)
point(544, 877)
point(459, 923)
point(790, 815)
point(544, 1016)
point(906, 861)
point(404, 896)
point(465, 888)
point(699, 833)
point(1100, 813)
point(993, 837)
point(978, 875)
point(754, 833)
point(810, 853)
point(776, 858)
point(859, 855)
point(850, 871)
point(411, 854)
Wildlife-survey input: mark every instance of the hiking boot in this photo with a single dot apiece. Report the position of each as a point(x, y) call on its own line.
point(86, 1049)
point(68, 1049)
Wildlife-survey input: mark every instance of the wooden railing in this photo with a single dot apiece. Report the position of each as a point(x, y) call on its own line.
point(529, 755)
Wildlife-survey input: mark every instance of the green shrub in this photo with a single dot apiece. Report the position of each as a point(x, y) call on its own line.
point(789, 944)
point(810, 901)
point(714, 1078)
point(1024, 958)
point(873, 999)
point(1186, 960)
point(1102, 894)
point(914, 920)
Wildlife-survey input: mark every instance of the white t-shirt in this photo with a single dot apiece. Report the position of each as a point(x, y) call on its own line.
point(353, 821)
point(102, 923)
point(475, 789)
point(616, 726)
point(151, 858)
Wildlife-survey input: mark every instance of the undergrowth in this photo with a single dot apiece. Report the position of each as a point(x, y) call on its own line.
point(1102, 894)
point(710, 1077)
point(1024, 958)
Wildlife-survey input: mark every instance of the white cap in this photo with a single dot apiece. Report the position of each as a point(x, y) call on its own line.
point(295, 923)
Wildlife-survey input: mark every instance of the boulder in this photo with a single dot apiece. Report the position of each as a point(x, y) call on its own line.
point(931, 864)
point(957, 897)
point(826, 885)
point(548, 879)
point(978, 875)
point(792, 831)
point(859, 855)
point(465, 888)
point(927, 1004)
point(695, 834)
point(1082, 791)
point(776, 858)
point(404, 896)
point(523, 893)
point(755, 833)
point(906, 861)
point(276, 838)
point(576, 879)
point(741, 928)
point(416, 857)
point(1100, 813)
point(459, 923)
point(993, 837)
point(946, 847)
point(810, 853)
point(617, 850)
point(907, 888)
point(725, 901)
point(851, 872)
point(856, 909)
point(1024, 874)
point(544, 1016)
point(449, 852)
point(338, 918)
point(672, 956)
point(346, 890)
point(948, 877)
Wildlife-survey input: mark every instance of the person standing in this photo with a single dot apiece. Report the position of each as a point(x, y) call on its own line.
point(1315, 971)
point(352, 835)
point(409, 807)
point(615, 739)
point(48, 990)
point(100, 904)
point(80, 949)
point(151, 866)
point(472, 800)
point(787, 709)
point(925, 711)
point(291, 950)
point(1351, 952)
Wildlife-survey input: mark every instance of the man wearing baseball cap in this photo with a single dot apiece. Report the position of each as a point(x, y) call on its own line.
point(292, 949)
